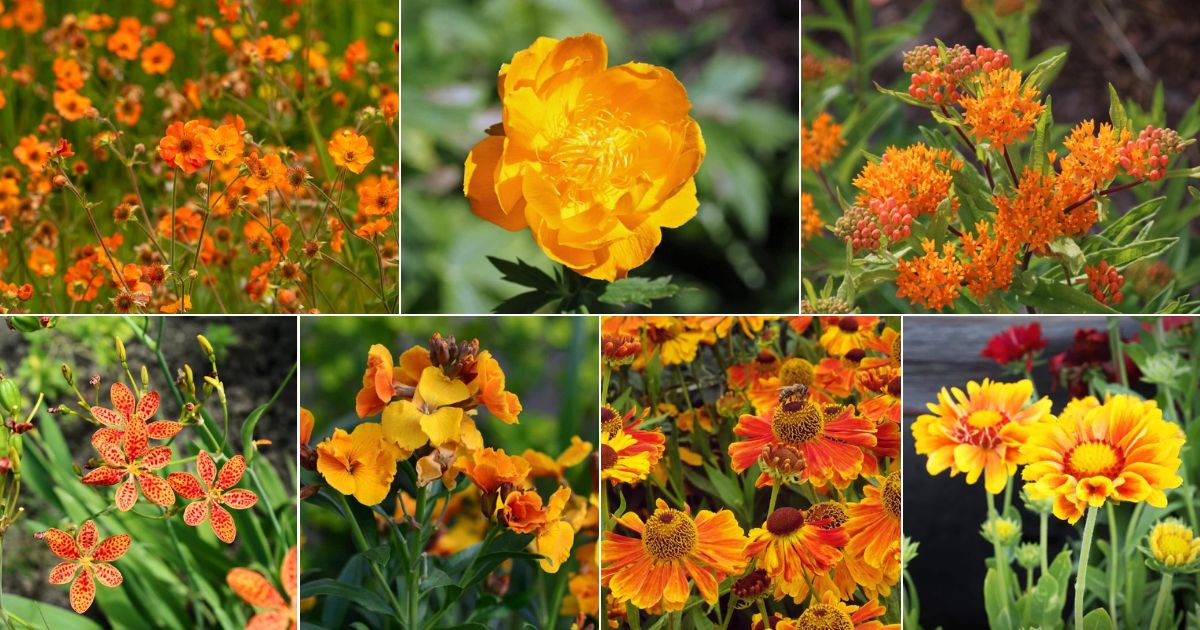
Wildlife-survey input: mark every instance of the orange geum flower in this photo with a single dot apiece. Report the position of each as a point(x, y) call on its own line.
point(86, 560)
point(67, 74)
point(125, 407)
point(71, 105)
point(594, 160)
point(42, 261)
point(821, 143)
point(255, 589)
point(653, 570)
point(211, 491)
point(352, 151)
point(157, 58)
point(182, 147)
point(373, 228)
point(124, 44)
point(265, 173)
point(133, 466)
point(1004, 112)
point(223, 144)
point(31, 152)
point(272, 48)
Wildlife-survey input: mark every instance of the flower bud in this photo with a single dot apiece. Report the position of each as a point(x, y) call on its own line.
point(10, 396)
point(120, 349)
point(207, 348)
point(68, 374)
point(1029, 555)
point(1001, 530)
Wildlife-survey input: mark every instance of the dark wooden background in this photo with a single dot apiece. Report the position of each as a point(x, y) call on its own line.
point(943, 514)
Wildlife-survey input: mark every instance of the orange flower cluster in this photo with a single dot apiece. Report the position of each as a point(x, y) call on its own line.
point(938, 74)
point(821, 143)
point(934, 279)
point(815, 415)
point(1105, 283)
point(1004, 112)
point(916, 176)
point(810, 219)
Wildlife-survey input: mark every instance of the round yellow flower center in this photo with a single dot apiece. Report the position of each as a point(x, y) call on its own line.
point(610, 420)
point(1091, 459)
point(796, 371)
point(797, 422)
point(825, 617)
point(784, 521)
point(890, 495)
point(833, 512)
point(985, 418)
point(669, 535)
point(1172, 546)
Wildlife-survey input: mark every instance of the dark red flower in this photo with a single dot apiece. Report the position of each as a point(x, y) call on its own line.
point(1016, 343)
point(1089, 351)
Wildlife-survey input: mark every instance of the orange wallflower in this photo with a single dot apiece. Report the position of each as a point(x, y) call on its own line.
point(820, 144)
point(933, 279)
point(71, 105)
point(597, 189)
point(182, 146)
point(351, 150)
point(653, 569)
point(491, 468)
point(489, 386)
point(1004, 112)
point(157, 58)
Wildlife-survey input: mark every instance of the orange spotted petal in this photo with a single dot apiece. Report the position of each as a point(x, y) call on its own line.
point(163, 429)
point(271, 620)
point(63, 572)
point(111, 452)
point(231, 472)
point(206, 468)
point(195, 513)
point(107, 574)
point(287, 571)
point(122, 399)
point(156, 489)
point(108, 417)
point(106, 435)
point(186, 485)
point(104, 476)
point(222, 523)
point(240, 499)
point(136, 438)
point(62, 544)
point(156, 457)
point(148, 406)
point(87, 537)
point(127, 495)
point(83, 591)
point(255, 589)
point(112, 548)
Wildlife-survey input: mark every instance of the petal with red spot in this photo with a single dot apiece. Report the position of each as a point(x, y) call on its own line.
point(61, 543)
point(107, 574)
point(87, 538)
point(122, 399)
point(107, 435)
point(240, 499)
point(231, 472)
point(83, 591)
point(163, 429)
point(108, 417)
point(206, 468)
point(255, 589)
point(127, 495)
point(222, 523)
point(270, 620)
point(156, 489)
point(104, 476)
point(63, 572)
point(136, 438)
point(287, 571)
point(112, 453)
point(195, 513)
point(112, 548)
point(185, 485)
point(156, 457)
point(148, 406)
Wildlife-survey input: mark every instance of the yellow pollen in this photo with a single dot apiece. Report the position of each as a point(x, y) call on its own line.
point(985, 418)
point(669, 535)
point(890, 495)
point(797, 422)
point(610, 421)
point(828, 510)
point(796, 371)
point(1093, 458)
point(825, 617)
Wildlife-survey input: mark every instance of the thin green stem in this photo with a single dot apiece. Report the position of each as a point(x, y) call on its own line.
point(766, 616)
point(1089, 528)
point(3, 613)
point(1164, 591)
point(774, 496)
point(360, 541)
point(1114, 563)
point(1043, 527)
point(998, 553)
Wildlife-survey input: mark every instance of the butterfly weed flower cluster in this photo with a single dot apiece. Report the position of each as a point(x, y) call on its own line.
point(1107, 453)
point(463, 513)
point(987, 210)
point(253, 173)
point(751, 463)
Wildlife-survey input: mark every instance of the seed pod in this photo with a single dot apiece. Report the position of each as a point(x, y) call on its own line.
point(10, 397)
point(25, 323)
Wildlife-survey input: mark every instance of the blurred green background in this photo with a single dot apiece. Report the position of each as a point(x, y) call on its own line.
point(738, 61)
point(551, 363)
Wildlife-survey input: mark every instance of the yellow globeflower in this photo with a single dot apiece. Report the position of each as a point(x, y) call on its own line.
point(1122, 450)
point(594, 160)
point(358, 464)
point(979, 432)
point(1172, 544)
point(431, 416)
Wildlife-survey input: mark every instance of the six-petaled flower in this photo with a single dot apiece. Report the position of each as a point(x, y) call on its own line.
point(85, 560)
point(211, 491)
point(126, 406)
point(133, 464)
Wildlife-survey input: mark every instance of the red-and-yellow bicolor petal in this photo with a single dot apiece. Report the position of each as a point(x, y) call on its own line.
point(83, 591)
point(222, 523)
point(112, 548)
point(148, 406)
point(122, 399)
point(156, 458)
point(61, 544)
point(231, 473)
point(270, 620)
point(127, 494)
point(107, 574)
point(63, 572)
point(195, 513)
point(87, 537)
point(240, 499)
point(254, 588)
point(156, 489)
point(104, 476)
point(206, 468)
point(108, 417)
point(186, 485)
point(163, 429)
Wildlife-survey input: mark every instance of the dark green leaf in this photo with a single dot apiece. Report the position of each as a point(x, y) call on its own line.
point(1044, 73)
point(1116, 111)
point(641, 291)
point(524, 274)
point(333, 588)
point(1097, 620)
point(248, 429)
